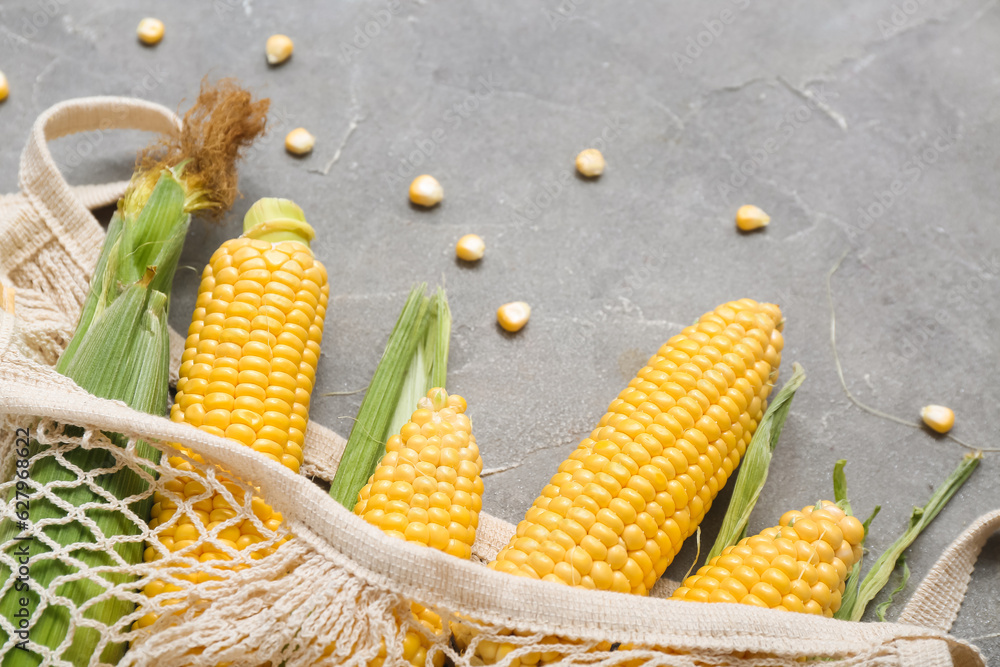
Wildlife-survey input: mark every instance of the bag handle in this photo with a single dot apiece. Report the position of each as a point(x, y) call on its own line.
point(65, 208)
point(936, 601)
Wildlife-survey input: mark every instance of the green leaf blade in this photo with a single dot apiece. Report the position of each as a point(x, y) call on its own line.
point(754, 468)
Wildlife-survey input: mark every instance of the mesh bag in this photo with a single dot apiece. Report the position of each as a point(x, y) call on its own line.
point(336, 589)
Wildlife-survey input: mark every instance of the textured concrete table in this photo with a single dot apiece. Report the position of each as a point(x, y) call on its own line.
point(866, 127)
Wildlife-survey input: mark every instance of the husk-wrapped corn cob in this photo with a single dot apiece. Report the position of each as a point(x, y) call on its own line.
point(120, 351)
point(246, 374)
point(621, 505)
point(427, 489)
point(802, 564)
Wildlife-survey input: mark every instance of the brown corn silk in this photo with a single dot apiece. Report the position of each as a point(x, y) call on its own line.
point(217, 130)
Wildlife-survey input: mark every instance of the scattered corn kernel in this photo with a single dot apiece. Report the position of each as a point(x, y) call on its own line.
point(299, 141)
point(749, 217)
point(590, 163)
point(513, 316)
point(470, 248)
point(426, 191)
point(279, 49)
point(938, 417)
point(4, 87)
point(150, 31)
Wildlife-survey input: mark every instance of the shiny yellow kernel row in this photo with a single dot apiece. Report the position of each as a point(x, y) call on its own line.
point(619, 508)
point(250, 358)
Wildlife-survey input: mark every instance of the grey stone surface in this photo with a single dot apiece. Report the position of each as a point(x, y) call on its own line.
point(814, 111)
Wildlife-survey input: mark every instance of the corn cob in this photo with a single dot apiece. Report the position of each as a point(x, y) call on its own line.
point(621, 505)
point(799, 565)
point(250, 358)
point(246, 374)
point(427, 490)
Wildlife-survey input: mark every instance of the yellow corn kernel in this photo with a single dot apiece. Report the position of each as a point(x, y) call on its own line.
point(426, 191)
point(150, 31)
point(590, 163)
point(938, 417)
point(749, 217)
point(755, 572)
point(513, 316)
point(299, 141)
point(450, 523)
point(470, 248)
point(278, 49)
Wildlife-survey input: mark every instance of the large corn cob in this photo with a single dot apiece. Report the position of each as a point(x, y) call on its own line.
point(427, 489)
point(621, 505)
point(800, 565)
point(250, 358)
point(247, 372)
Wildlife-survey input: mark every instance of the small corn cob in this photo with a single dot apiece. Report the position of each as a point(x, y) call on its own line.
point(246, 373)
point(427, 489)
point(799, 565)
point(621, 505)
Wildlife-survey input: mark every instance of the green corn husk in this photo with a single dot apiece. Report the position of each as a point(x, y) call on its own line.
point(920, 518)
point(841, 497)
point(415, 360)
point(429, 366)
point(753, 470)
point(904, 579)
point(120, 351)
